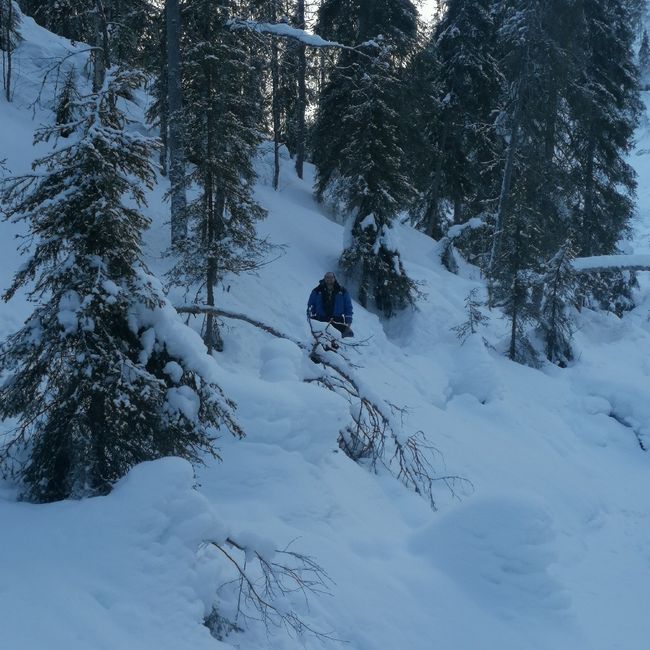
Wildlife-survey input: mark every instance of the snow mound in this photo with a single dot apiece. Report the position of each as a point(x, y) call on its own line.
point(501, 551)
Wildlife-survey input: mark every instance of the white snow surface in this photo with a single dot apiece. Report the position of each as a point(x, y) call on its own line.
point(548, 550)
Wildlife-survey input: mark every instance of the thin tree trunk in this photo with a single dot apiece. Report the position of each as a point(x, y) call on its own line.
point(588, 212)
point(512, 353)
point(163, 108)
point(101, 57)
point(214, 216)
point(431, 215)
point(275, 77)
point(302, 95)
point(10, 16)
point(505, 186)
point(175, 140)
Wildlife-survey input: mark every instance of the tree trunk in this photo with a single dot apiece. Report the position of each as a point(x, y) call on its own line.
point(163, 109)
point(101, 58)
point(175, 140)
point(431, 215)
point(10, 16)
point(275, 77)
point(213, 217)
point(302, 95)
point(512, 353)
point(588, 212)
point(505, 186)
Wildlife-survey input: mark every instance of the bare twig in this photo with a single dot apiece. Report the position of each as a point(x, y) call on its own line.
point(264, 587)
point(372, 435)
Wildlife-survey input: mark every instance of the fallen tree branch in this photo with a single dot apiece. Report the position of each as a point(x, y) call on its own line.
point(601, 263)
point(263, 589)
point(372, 435)
point(206, 309)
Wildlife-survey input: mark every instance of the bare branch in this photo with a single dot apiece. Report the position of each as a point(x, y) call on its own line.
point(264, 587)
point(372, 436)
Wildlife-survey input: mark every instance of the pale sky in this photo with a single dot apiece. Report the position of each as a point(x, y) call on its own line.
point(427, 8)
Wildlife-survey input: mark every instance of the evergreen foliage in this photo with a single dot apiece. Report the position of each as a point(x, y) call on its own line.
point(475, 317)
point(9, 26)
point(126, 25)
point(221, 116)
point(531, 106)
point(461, 143)
point(644, 58)
point(358, 143)
point(605, 109)
point(558, 297)
point(92, 381)
point(72, 19)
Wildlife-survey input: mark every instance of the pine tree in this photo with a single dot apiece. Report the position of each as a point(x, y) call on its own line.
point(93, 379)
point(66, 103)
point(221, 114)
point(466, 84)
point(605, 109)
point(357, 143)
point(72, 19)
point(9, 39)
point(558, 297)
point(475, 318)
point(644, 57)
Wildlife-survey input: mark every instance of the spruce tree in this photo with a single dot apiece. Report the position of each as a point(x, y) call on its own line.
point(605, 110)
point(93, 378)
point(358, 143)
point(9, 39)
point(557, 286)
point(462, 145)
point(221, 116)
point(69, 18)
point(644, 58)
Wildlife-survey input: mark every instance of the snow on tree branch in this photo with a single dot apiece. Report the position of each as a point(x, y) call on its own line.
point(612, 263)
point(284, 30)
point(375, 433)
point(266, 577)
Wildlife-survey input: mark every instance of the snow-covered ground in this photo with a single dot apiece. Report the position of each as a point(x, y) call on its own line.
point(546, 547)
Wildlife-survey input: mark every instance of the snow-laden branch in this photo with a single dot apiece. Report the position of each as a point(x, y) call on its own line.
point(446, 244)
point(611, 263)
point(266, 578)
point(283, 30)
point(207, 309)
point(374, 434)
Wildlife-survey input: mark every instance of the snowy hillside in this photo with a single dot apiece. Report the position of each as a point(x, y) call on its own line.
point(544, 543)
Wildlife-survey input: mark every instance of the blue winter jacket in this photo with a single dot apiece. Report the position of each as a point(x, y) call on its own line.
point(342, 312)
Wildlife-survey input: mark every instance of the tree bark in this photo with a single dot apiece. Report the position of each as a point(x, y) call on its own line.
point(505, 185)
point(275, 79)
point(10, 16)
point(175, 139)
point(302, 95)
point(431, 215)
point(588, 212)
point(163, 108)
point(101, 54)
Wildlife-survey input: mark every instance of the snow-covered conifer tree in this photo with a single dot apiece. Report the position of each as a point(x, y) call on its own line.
point(461, 141)
point(644, 57)
point(222, 113)
point(103, 374)
point(358, 142)
point(605, 109)
point(9, 39)
point(558, 288)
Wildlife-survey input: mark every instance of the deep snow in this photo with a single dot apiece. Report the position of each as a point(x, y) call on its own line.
point(547, 548)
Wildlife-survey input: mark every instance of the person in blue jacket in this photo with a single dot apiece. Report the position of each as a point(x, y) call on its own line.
point(330, 302)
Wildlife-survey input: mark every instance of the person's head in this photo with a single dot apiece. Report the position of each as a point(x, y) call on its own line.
point(329, 279)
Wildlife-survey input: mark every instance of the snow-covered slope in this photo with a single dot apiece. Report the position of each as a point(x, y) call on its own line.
point(547, 547)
